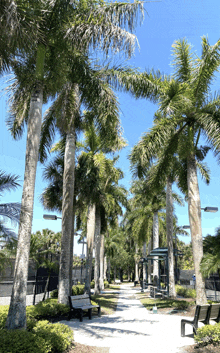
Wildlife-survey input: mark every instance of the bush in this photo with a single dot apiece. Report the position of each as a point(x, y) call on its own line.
point(47, 308)
point(14, 341)
point(58, 336)
point(54, 293)
point(185, 292)
point(3, 315)
point(92, 284)
point(106, 284)
point(208, 334)
point(78, 289)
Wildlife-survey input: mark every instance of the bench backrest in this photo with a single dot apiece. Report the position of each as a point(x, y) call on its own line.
point(202, 312)
point(214, 311)
point(79, 300)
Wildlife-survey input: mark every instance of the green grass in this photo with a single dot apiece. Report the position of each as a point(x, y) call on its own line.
point(164, 303)
point(108, 302)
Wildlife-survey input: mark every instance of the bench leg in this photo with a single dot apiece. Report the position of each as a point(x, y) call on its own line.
point(80, 315)
point(99, 311)
point(90, 313)
point(183, 329)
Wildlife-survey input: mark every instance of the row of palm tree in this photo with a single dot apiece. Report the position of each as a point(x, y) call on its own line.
point(187, 112)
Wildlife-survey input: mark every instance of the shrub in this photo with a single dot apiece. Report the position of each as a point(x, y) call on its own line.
point(185, 292)
point(47, 308)
point(106, 284)
point(54, 293)
point(58, 336)
point(3, 315)
point(14, 341)
point(92, 284)
point(208, 334)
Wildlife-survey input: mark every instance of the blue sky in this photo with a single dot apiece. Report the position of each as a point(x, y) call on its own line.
point(165, 21)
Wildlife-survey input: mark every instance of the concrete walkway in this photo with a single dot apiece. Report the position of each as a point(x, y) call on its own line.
point(132, 328)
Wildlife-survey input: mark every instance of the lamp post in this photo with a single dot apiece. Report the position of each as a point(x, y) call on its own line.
point(51, 217)
point(82, 256)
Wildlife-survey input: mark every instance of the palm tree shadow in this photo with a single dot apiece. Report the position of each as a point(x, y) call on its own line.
point(97, 330)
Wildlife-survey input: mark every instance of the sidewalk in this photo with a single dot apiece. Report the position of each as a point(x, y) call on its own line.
point(132, 328)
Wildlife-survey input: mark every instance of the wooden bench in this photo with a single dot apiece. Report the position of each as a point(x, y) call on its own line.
point(203, 313)
point(79, 304)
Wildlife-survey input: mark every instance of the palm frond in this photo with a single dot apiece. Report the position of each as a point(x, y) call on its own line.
point(105, 25)
point(183, 60)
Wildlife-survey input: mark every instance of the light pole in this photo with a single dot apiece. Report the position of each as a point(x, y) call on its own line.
point(82, 256)
point(51, 217)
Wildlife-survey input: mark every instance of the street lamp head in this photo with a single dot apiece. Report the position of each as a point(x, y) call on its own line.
point(210, 209)
point(186, 227)
point(50, 217)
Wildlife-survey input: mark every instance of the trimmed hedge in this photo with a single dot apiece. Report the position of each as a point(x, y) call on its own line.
point(208, 334)
point(185, 292)
point(15, 341)
point(58, 336)
point(44, 337)
point(47, 308)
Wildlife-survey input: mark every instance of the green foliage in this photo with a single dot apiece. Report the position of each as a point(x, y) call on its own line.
point(211, 259)
point(3, 315)
point(106, 284)
point(47, 308)
point(185, 292)
point(54, 293)
point(208, 334)
point(78, 289)
point(58, 336)
point(40, 337)
point(15, 341)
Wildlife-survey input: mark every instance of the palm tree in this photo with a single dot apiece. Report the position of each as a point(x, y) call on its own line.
point(66, 115)
point(98, 174)
point(84, 23)
point(189, 111)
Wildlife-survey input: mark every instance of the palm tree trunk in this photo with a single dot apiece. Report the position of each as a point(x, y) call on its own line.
point(109, 269)
point(97, 250)
point(17, 310)
point(136, 263)
point(102, 253)
point(46, 285)
point(169, 225)
point(155, 243)
point(67, 217)
point(90, 240)
point(149, 266)
point(194, 209)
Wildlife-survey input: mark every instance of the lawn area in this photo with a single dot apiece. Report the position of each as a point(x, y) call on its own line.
point(165, 303)
point(107, 301)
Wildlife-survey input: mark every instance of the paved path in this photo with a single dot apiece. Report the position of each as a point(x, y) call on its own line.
point(132, 328)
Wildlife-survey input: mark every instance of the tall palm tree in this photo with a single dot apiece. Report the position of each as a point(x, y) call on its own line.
point(189, 111)
point(98, 174)
point(82, 30)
